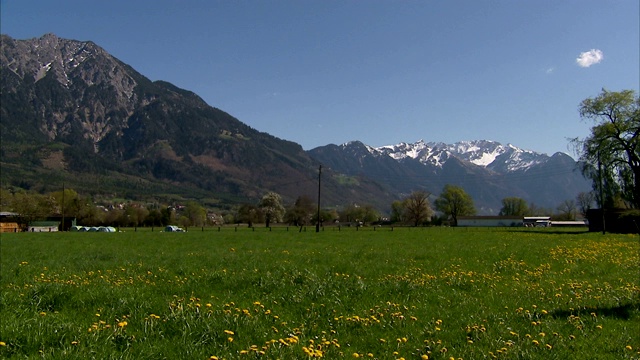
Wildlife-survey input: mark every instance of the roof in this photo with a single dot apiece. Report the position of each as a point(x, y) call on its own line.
point(8, 213)
point(44, 223)
point(490, 217)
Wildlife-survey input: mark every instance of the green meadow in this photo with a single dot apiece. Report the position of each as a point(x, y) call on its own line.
point(406, 293)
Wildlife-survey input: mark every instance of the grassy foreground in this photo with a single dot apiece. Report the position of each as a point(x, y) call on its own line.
point(436, 293)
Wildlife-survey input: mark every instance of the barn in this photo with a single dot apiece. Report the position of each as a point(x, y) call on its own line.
point(9, 222)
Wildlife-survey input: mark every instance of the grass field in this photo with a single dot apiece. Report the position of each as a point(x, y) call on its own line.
point(436, 293)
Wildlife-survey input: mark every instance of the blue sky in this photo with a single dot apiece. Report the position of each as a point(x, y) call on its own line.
point(382, 72)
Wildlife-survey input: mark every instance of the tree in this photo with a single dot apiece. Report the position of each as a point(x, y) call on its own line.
point(417, 208)
point(567, 210)
point(359, 213)
point(455, 202)
point(154, 218)
point(31, 206)
point(397, 212)
point(611, 153)
point(195, 214)
point(301, 212)
point(272, 208)
point(584, 201)
point(514, 206)
point(249, 213)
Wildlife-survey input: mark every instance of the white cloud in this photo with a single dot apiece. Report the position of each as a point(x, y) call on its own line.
point(550, 70)
point(589, 58)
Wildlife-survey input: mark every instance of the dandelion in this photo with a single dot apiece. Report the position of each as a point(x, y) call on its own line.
point(424, 357)
point(2, 343)
point(628, 347)
point(599, 327)
point(536, 342)
point(355, 355)
point(548, 346)
point(230, 339)
point(43, 313)
point(229, 332)
point(74, 343)
point(212, 357)
point(122, 324)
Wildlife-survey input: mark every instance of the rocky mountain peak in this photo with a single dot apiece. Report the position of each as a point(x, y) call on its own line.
point(78, 73)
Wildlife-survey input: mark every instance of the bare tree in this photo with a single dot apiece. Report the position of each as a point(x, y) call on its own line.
point(417, 207)
point(585, 200)
point(567, 209)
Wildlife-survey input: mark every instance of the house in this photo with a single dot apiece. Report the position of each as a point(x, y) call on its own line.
point(495, 221)
point(9, 222)
point(43, 226)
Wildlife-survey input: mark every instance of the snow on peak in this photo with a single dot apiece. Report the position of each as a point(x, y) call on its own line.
point(484, 153)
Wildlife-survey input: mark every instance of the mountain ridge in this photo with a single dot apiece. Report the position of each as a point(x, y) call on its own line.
point(74, 114)
point(486, 169)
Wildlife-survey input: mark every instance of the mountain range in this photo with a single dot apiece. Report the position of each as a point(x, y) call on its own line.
point(73, 114)
point(487, 170)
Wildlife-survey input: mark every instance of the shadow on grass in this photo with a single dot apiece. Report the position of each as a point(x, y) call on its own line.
point(619, 312)
point(550, 232)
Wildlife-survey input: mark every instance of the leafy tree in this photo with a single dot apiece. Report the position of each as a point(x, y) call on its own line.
point(514, 206)
point(195, 214)
point(455, 202)
point(32, 206)
point(249, 213)
point(5, 199)
point(613, 144)
point(168, 216)
point(397, 212)
point(359, 213)
point(301, 212)
point(272, 208)
point(154, 218)
point(417, 208)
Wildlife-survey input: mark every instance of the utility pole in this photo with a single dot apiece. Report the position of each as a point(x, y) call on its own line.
point(62, 228)
point(318, 218)
point(601, 193)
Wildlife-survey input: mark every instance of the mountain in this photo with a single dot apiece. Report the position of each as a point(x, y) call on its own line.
point(487, 170)
point(73, 114)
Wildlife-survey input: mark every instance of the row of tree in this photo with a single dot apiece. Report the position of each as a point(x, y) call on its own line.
point(416, 209)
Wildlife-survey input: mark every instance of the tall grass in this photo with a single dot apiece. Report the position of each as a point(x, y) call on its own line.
point(436, 293)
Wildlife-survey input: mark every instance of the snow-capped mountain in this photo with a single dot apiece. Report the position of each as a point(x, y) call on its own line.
point(487, 170)
point(485, 153)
